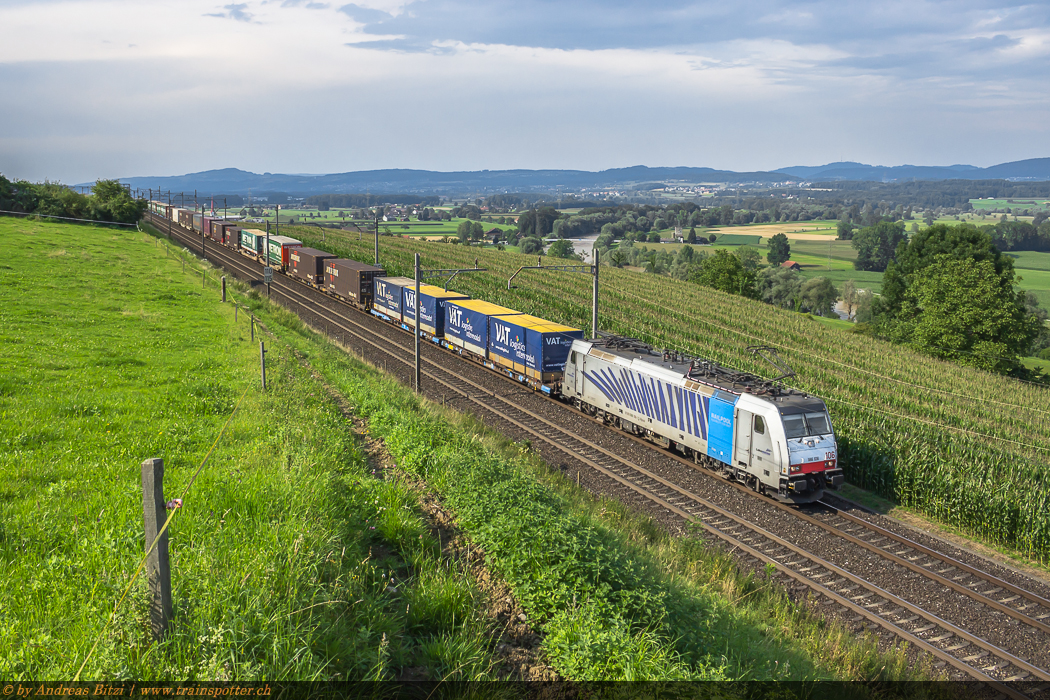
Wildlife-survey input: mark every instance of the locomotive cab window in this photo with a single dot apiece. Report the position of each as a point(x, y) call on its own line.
point(573, 358)
point(799, 425)
point(795, 426)
point(818, 423)
point(760, 425)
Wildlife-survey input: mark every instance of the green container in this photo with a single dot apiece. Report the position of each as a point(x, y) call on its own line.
point(253, 240)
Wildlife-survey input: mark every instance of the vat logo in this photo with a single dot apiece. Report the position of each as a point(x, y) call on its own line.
point(410, 298)
point(455, 316)
point(502, 334)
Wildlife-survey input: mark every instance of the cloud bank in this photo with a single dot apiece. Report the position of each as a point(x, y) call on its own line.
point(107, 88)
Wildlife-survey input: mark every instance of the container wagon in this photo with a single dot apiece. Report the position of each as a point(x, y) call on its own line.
point(432, 301)
point(232, 235)
point(351, 280)
point(389, 298)
point(280, 249)
point(308, 264)
point(252, 241)
point(467, 326)
point(533, 350)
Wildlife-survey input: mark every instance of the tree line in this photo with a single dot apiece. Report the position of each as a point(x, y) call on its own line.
point(327, 202)
point(109, 201)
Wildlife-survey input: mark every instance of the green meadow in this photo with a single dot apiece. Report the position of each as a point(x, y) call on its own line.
point(286, 549)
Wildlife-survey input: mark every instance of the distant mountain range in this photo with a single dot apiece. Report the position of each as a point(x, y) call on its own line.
point(234, 181)
point(1032, 169)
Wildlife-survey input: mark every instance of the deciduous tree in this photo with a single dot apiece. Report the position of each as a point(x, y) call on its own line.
point(876, 245)
point(819, 296)
point(959, 309)
point(779, 249)
point(723, 271)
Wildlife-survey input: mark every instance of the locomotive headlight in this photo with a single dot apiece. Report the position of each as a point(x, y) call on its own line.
point(830, 463)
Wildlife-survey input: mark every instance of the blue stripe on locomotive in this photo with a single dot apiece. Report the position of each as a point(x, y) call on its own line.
point(720, 427)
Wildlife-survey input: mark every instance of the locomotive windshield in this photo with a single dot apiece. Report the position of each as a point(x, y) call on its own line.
point(806, 424)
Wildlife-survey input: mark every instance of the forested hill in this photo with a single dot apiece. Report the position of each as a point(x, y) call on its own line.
point(1032, 169)
point(638, 178)
point(234, 181)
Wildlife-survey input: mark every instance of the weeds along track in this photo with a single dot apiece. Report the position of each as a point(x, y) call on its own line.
point(976, 623)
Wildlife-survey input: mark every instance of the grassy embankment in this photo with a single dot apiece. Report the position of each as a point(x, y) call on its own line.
point(284, 551)
point(960, 446)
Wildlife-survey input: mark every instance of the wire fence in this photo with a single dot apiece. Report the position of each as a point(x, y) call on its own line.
point(66, 218)
point(174, 505)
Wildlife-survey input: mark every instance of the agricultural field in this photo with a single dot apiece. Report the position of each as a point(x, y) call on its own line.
point(794, 230)
point(961, 446)
point(988, 204)
point(411, 228)
point(813, 256)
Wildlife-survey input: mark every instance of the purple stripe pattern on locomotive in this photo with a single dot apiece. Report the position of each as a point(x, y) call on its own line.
point(671, 405)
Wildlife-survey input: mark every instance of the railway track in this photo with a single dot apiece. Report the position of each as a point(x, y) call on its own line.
point(860, 600)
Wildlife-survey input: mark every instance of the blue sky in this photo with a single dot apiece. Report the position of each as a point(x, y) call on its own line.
point(112, 88)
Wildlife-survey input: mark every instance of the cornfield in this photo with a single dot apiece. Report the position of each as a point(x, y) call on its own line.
point(965, 447)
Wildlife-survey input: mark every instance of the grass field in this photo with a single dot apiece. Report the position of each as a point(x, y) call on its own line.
point(1033, 204)
point(931, 435)
point(286, 545)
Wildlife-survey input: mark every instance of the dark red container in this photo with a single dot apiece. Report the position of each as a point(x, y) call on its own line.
point(232, 234)
point(215, 232)
point(351, 280)
point(308, 264)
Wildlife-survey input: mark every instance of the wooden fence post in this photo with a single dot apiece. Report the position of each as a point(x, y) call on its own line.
point(157, 568)
point(224, 289)
point(262, 362)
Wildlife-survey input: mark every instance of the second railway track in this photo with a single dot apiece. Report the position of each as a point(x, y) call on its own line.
point(858, 599)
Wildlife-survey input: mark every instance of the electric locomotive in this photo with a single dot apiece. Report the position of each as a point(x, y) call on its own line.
point(776, 440)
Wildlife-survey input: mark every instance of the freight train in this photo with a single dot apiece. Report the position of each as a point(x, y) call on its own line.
point(778, 441)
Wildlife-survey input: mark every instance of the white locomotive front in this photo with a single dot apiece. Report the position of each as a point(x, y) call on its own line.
point(778, 441)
